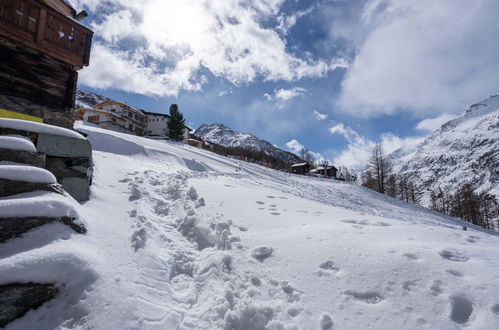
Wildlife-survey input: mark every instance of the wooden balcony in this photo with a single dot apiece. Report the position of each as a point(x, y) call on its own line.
point(37, 26)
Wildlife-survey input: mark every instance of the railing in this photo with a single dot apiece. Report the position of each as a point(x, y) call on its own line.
point(37, 26)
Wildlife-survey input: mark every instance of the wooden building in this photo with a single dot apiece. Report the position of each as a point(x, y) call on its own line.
point(300, 168)
point(327, 171)
point(42, 45)
point(115, 116)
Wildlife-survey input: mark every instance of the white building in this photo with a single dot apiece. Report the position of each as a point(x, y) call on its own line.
point(157, 125)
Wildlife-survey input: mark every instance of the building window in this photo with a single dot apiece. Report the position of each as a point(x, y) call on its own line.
point(93, 119)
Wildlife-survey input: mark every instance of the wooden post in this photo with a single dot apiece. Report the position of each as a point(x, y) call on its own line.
point(41, 26)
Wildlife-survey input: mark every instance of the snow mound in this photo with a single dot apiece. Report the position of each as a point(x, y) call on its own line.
point(35, 127)
point(16, 142)
point(26, 173)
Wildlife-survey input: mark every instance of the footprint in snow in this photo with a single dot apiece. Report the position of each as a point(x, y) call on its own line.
point(275, 213)
point(325, 321)
point(410, 256)
point(270, 196)
point(329, 265)
point(454, 255)
point(368, 297)
point(262, 252)
point(436, 288)
point(260, 202)
point(462, 308)
point(454, 272)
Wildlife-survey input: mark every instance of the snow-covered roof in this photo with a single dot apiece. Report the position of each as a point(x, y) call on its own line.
point(30, 126)
point(299, 165)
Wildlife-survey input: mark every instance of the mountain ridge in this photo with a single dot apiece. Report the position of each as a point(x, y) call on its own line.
point(462, 151)
point(223, 135)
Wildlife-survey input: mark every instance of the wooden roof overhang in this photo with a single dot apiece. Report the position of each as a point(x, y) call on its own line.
point(32, 24)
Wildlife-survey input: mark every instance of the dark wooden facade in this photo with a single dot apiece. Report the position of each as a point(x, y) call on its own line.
point(40, 51)
point(301, 168)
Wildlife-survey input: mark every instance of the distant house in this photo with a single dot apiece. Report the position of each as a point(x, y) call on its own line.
point(300, 168)
point(157, 125)
point(195, 141)
point(115, 116)
point(327, 171)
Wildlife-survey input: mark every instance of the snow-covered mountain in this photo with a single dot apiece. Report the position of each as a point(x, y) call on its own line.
point(227, 137)
point(86, 99)
point(463, 150)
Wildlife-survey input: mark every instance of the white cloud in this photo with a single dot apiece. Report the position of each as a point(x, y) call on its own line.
point(294, 146)
point(288, 94)
point(320, 116)
point(432, 124)
point(282, 96)
point(424, 56)
point(359, 148)
point(168, 42)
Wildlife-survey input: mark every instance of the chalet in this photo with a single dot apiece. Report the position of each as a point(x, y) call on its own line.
point(195, 141)
point(300, 168)
point(326, 171)
point(115, 116)
point(157, 125)
point(42, 45)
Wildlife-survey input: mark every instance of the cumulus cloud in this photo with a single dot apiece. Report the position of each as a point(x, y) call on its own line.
point(164, 44)
point(320, 116)
point(431, 124)
point(294, 145)
point(281, 96)
point(359, 148)
point(423, 55)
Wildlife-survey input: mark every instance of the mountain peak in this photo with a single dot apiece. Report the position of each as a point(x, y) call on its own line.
point(225, 136)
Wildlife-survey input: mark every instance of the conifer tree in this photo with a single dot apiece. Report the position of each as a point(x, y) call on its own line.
point(176, 124)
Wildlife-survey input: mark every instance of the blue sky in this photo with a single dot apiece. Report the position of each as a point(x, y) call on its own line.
point(333, 76)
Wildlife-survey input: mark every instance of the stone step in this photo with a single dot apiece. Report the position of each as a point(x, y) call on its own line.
point(16, 299)
point(12, 187)
point(15, 227)
point(24, 157)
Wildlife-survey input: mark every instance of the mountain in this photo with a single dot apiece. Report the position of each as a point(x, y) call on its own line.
point(227, 137)
point(85, 99)
point(463, 150)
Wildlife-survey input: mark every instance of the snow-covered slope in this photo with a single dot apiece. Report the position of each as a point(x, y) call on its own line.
point(227, 137)
point(463, 150)
point(181, 238)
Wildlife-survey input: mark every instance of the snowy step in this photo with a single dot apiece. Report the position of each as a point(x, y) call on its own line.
point(22, 125)
point(26, 173)
point(15, 227)
point(16, 299)
point(16, 142)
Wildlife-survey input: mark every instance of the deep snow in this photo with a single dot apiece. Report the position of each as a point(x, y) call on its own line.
point(181, 238)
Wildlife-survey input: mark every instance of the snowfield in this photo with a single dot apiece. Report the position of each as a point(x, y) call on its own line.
point(181, 238)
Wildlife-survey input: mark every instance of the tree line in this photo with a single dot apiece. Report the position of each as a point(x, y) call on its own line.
point(481, 209)
point(253, 156)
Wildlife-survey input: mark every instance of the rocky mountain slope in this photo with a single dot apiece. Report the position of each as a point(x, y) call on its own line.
point(227, 137)
point(463, 150)
point(86, 99)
